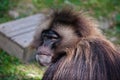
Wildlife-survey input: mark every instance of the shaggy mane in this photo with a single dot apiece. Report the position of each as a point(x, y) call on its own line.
point(78, 20)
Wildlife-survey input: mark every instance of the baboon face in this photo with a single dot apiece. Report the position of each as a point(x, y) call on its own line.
point(59, 33)
point(49, 40)
point(54, 42)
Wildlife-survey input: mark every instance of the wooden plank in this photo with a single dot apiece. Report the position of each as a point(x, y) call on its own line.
point(19, 27)
point(22, 31)
point(8, 29)
point(25, 39)
point(16, 36)
point(11, 47)
point(22, 20)
point(21, 23)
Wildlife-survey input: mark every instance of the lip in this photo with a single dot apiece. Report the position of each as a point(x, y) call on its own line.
point(44, 64)
point(46, 54)
point(43, 59)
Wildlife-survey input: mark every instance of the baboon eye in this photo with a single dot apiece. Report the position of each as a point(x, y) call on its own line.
point(49, 34)
point(50, 37)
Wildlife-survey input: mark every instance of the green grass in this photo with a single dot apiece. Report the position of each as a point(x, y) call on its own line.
point(99, 7)
point(113, 33)
point(5, 18)
point(12, 69)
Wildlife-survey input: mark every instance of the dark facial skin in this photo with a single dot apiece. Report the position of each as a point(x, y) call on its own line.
point(49, 40)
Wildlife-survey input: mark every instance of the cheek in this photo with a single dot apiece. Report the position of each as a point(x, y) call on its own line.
point(69, 42)
point(69, 38)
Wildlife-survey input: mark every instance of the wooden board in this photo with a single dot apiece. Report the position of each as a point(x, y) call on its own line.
point(16, 36)
point(11, 47)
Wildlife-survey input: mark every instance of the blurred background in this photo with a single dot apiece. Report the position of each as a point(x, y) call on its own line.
point(107, 12)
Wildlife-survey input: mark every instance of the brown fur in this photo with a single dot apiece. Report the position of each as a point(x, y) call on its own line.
point(88, 55)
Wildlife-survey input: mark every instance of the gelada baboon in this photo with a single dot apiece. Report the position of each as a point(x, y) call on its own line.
point(74, 48)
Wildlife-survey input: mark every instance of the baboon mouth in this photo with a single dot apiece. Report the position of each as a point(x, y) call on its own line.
point(46, 54)
point(43, 59)
point(44, 64)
